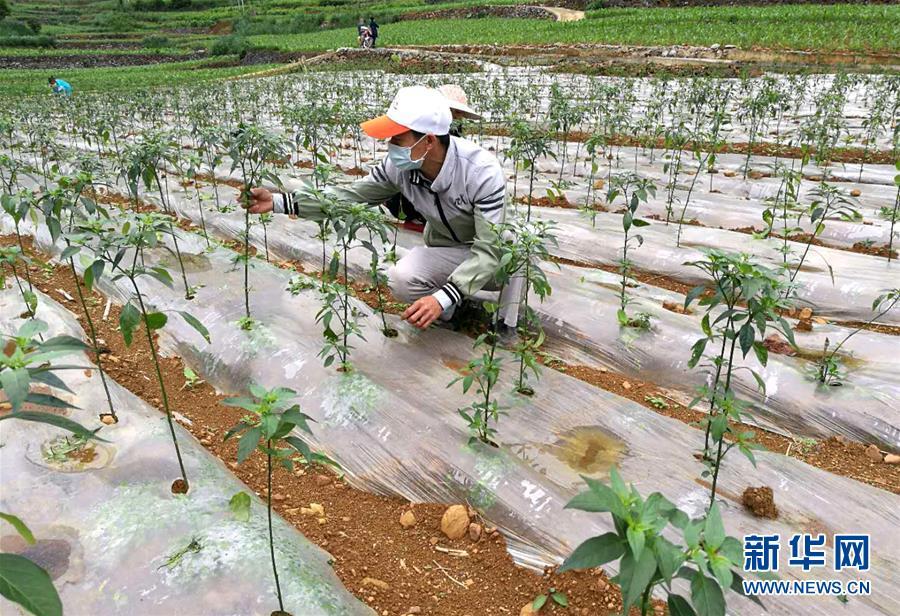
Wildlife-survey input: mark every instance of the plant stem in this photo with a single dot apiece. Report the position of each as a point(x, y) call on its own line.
point(246, 261)
point(93, 333)
point(202, 219)
point(22, 249)
point(269, 511)
point(530, 190)
point(346, 305)
point(718, 462)
point(159, 378)
point(22, 289)
point(893, 222)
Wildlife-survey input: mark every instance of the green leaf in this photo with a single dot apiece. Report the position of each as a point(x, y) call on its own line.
point(635, 577)
point(54, 420)
point(595, 552)
point(48, 400)
point(25, 583)
point(249, 441)
point(762, 353)
point(759, 381)
point(713, 530)
point(746, 338)
point(14, 384)
point(162, 275)
point(538, 603)
point(636, 540)
point(129, 319)
point(20, 527)
point(156, 320)
point(598, 499)
point(694, 294)
point(196, 324)
point(240, 506)
point(668, 557)
point(737, 585)
point(721, 568)
point(269, 425)
point(560, 598)
point(704, 325)
point(69, 252)
point(300, 445)
point(707, 596)
point(92, 274)
point(679, 606)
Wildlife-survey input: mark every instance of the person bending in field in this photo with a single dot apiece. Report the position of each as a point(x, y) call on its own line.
point(457, 186)
point(60, 86)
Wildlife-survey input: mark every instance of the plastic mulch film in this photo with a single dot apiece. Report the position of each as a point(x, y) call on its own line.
point(393, 426)
point(579, 317)
point(580, 320)
point(858, 279)
point(115, 539)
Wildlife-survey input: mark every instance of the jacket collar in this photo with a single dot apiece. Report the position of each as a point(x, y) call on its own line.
point(444, 179)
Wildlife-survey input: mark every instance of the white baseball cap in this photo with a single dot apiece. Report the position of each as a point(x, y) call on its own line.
point(417, 108)
point(458, 101)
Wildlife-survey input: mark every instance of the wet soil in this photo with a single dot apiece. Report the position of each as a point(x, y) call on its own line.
point(760, 502)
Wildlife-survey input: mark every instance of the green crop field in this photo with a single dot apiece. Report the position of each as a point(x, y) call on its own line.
point(833, 28)
point(34, 81)
point(54, 35)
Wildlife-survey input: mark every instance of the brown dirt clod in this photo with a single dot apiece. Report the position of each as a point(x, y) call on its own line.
point(179, 486)
point(761, 502)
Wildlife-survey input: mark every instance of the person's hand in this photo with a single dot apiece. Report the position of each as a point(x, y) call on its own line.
point(261, 201)
point(423, 311)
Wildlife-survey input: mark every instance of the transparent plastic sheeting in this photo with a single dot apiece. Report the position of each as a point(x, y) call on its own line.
point(579, 317)
point(106, 532)
point(392, 425)
point(487, 88)
point(858, 278)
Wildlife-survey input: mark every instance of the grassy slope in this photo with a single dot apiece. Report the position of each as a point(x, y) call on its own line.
point(833, 28)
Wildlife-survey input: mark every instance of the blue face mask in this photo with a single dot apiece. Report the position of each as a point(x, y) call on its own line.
point(402, 157)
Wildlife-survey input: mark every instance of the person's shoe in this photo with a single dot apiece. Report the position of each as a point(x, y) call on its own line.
point(507, 336)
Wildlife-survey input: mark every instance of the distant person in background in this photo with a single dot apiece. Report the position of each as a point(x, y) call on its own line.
point(60, 86)
point(373, 30)
point(400, 206)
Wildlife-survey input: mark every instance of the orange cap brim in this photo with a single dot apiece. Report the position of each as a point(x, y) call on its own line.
point(382, 127)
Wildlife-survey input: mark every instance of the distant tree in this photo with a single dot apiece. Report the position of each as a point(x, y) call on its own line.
point(4, 9)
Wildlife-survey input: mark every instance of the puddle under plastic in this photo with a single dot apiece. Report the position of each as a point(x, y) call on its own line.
point(53, 555)
point(586, 449)
point(193, 263)
point(64, 454)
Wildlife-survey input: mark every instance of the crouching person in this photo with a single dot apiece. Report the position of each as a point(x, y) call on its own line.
point(457, 186)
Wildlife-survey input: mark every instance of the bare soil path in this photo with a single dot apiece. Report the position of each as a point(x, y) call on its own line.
point(563, 14)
